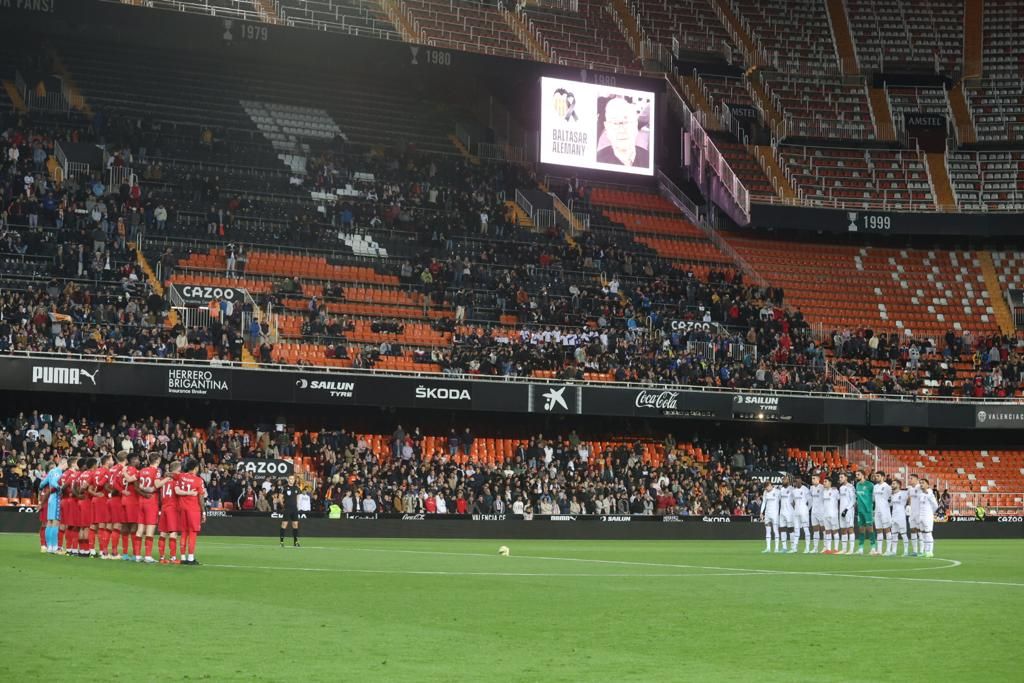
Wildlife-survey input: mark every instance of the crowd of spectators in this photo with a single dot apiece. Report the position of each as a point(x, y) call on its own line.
point(546, 475)
point(958, 364)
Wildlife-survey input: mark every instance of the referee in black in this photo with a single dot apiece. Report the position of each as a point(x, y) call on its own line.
point(289, 497)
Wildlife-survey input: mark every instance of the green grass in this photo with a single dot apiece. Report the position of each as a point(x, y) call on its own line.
point(441, 610)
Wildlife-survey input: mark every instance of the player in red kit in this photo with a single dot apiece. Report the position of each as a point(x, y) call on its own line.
point(170, 522)
point(149, 504)
point(100, 509)
point(130, 500)
point(115, 508)
point(68, 508)
point(191, 494)
point(87, 532)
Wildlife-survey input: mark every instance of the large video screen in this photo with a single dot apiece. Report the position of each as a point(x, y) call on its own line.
point(599, 127)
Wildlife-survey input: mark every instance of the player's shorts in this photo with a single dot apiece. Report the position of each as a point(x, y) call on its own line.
point(131, 509)
point(771, 520)
point(899, 525)
point(831, 521)
point(800, 518)
point(883, 518)
point(865, 518)
point(925, 525)
point(100, 511)
point(785, 520)
point(818, 518)
point(84, 512)
point(149, 511)
point(52, 508)
point(846, 520)
point(190, 519)
point(290, 516)
point(170, 520)
point(915, 521)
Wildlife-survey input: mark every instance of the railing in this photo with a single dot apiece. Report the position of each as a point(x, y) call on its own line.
point(525, 205)
point(713, 158)
point(119, 175)
point(966, 503)
point(50, 101)
point(463, 136)
point(512, 153)
point(671, 192)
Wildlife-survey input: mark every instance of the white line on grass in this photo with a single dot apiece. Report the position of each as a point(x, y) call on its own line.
point(425, 572)
point(728, 571)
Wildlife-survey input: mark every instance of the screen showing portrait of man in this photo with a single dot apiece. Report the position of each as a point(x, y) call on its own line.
point(619, 133)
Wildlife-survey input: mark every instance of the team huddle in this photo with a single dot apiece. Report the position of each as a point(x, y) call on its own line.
point(880, 513)
point(91, 507)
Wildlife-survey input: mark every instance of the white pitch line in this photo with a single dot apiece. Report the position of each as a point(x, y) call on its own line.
point(347, 570)
point(728, 571)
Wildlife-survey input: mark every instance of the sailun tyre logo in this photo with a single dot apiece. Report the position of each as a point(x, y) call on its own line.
point(335, 388)
point(442, 393)
point(72, 377)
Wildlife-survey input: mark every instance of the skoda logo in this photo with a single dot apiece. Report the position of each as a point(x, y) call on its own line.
point(982, 416)
point(302, 383)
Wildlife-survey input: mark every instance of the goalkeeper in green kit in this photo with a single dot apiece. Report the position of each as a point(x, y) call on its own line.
point(865, 512)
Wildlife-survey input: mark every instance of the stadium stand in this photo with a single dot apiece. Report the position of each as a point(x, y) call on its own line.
point(987, 180)
point(997, 102)
point(891, 34)
point(692, 22)
point(860, 178)
point(587, 37)
point(476, 27)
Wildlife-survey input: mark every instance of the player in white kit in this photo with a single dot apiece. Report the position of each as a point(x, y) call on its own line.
point(830, 504)
point(817, 511)
point(899, 520)
point(914, 493)
point(883, 513)
point(770, 515)
point(785, 512)
point(926, 521)
point(847, 505)
point(801, 517)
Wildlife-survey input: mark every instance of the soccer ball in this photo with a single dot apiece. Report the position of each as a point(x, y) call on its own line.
point(503, 551)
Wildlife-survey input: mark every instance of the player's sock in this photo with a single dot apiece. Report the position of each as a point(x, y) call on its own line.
point(125, 541)
point(929, 542)
point(161, 546)
point(191, 546)
point(913, 541)
point(295, 536)
point(115, 540)
point(282, 534)
point(51, 540)
point(104, 541)
point(768, 537)
point(60, 537)
point(92, 539)
point(807, 540)
point(782, 540)
point(136, 545)
point(174, 548)
point(149, 546)
point(42, 535)
point(191, 557)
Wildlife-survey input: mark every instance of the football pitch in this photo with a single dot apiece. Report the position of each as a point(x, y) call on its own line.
point(424, 610)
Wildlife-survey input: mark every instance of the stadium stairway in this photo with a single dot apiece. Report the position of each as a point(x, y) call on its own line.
point(695, 94)
point(73, 94)
point(398, 14)
point(842, 37)
point(939, 177)
point(525, 37)
point(784, 186)
point(15, 97)
point(520, 216)
point(995, 294)
point(628, 25)
point(735, 29)
point(974, 13)
point(881, 114)
point(961, 110)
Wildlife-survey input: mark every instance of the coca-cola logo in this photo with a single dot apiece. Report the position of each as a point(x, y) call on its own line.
point(418, 517)
point(659, 400)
